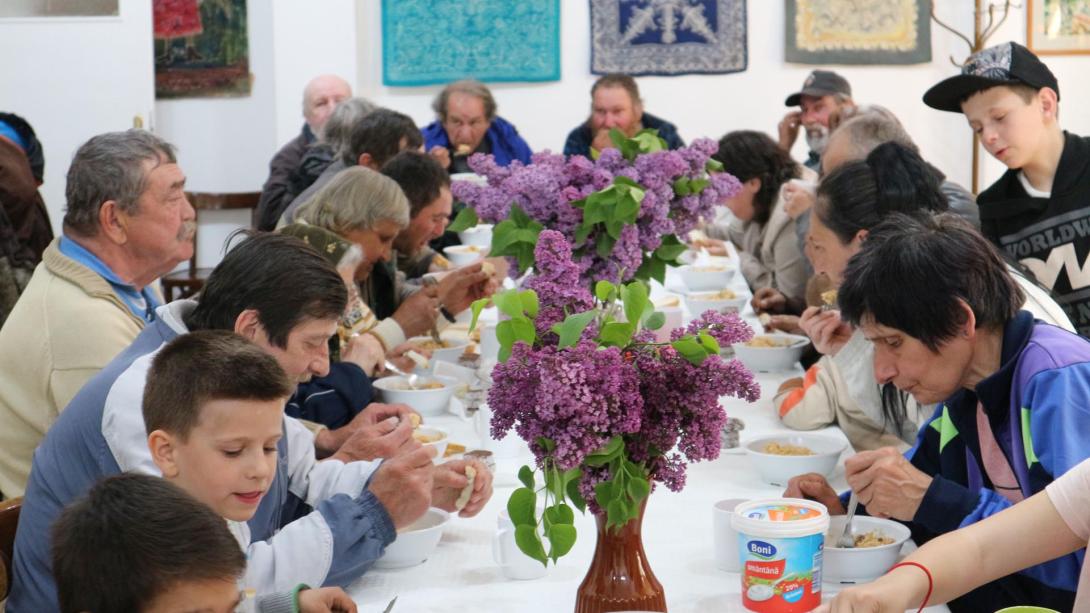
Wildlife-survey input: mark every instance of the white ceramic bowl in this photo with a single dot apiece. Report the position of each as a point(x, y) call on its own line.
point(690, 257)
point(471, 177)
point(861, 564)
point(778, 469)
point(703, 278)
point(415, 542)
point(698, 302)
point(480, 235)
point(427, 402)
point(782, 357)
point(455, 347)
point(463, 255)
point(429, 436)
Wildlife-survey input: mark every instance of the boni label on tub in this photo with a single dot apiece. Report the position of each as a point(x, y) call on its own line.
point(780, 545)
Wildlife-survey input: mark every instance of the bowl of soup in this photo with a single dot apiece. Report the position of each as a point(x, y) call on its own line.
point(429, 396)
point(463, 255)
point(706, 277)
point(771, 352)
point(877, 547)
point(780, 457)
point(415, 542)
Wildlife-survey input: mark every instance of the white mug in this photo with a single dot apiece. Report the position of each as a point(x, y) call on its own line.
point(506, 553)
point(724, 537)
point(489, 345)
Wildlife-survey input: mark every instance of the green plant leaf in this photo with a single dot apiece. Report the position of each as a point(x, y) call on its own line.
point(582, 233)
point(698, 185)
point(655, 321)
point(560, 514)
point(690, 350)
point(603, 493)
point(519, 216)
point(616, 334)
point(670, 248)
point(627, 208)
point(638, 489)
point(523, 329)
point(561, 540)
point(466, 219)
point(571, 329)
point(503, 234)
point(652, 268)
point(616, 513)
point(623, 180)
point(508, 302)
point(525, 256)
point(713, 165)
point(617, 138)
point(604, 245)
point(636, 301)
point(575, 496)
point(605, 291)
point(526, 477)
point(546, 443)
point(529, 302)
point(709, 342)
point(521, 506)
point(681, 187)
point(529, 542)
point(476, 308)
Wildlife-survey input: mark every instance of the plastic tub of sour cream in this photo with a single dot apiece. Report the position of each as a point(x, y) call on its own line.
point(780, 544)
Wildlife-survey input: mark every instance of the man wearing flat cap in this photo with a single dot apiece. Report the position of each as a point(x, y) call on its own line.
point(823, 93)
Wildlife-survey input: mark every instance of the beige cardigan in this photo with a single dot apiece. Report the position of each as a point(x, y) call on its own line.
point(67, 325)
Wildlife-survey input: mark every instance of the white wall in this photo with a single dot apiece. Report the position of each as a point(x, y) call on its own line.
point(72, 78)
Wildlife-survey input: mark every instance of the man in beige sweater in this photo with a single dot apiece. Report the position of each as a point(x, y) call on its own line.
point(127, 223)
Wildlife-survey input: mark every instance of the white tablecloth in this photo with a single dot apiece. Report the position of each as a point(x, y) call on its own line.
point(677, 535)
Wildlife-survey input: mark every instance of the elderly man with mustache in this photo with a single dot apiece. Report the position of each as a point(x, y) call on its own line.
point(127, 223)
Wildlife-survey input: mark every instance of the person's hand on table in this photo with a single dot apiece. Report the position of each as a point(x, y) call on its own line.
point(449, 481)
point(711, 245)
point(769, 300)
point(901, 589)
point(325, 600)
point(783, 323)
point(440, 154)
point(813, 486)
point(389, 437)
point(826, 330)
point(418, 312)
point(887, 483)
point(403, 484)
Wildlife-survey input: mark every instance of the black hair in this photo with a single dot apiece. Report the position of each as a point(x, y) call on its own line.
point(747, 154)
point(893, 178)
point(380, 134)
point(281, 277)
point(420, 177)
point(914, 272)
point(131, 538)
point(202, 366)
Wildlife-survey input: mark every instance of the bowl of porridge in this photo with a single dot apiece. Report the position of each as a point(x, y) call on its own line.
point(877, 547)
point(771, 352)
point(778, 458)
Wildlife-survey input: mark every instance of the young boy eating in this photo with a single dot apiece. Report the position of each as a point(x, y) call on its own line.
point(1037, 212)
point(213, 408)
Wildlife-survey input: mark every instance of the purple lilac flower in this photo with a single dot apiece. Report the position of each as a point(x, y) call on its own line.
point(556, 281)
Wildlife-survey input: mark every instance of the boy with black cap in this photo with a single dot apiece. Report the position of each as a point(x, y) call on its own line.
point(822, 93)
point(1038, 212)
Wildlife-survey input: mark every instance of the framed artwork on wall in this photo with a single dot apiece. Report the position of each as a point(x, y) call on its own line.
point(650, 37)
point(59, 8)
point(1058, 27)
point(858, 31)
point(201, 48)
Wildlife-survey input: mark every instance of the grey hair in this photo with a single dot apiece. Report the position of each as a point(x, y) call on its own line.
point(468, 87)
point(337, 131)
point(356, 198)
point(111, 166)
point(869, 126)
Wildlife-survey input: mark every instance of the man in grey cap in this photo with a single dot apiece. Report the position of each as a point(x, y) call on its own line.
point(823, 93)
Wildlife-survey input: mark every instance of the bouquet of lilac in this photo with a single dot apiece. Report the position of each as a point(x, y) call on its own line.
point(622, 213)
point(607, 411)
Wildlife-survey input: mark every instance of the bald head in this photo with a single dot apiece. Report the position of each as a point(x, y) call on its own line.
point(320, 96)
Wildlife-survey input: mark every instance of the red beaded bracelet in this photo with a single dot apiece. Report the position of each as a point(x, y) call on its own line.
point(930, 581)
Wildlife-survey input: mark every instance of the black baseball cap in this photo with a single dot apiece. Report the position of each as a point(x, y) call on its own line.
point(820, 83)
point(1005, 64)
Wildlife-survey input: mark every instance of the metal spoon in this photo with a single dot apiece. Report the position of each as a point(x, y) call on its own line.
point(409, 377)
point(847, 540)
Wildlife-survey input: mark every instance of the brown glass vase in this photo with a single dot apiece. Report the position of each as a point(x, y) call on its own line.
point(620, 577)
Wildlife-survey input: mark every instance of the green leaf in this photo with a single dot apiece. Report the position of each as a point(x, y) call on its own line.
point(649, 141)
point(476, 308)
point(652, 268)
point(521, 506)
point(560, 514)
point(525, 256)
point(604, 245)
point(529, 542)
point(709, 342)
point(519, 216)
point(583, 232)
point(698, 185)
point(616, 513)
point(613, 229)
point(617, 334)
point(713, 165)
point(623, 180)
point(509, 303)
point(561, 540)
point(604, 291)
point(529, 302)
point(523, 329)
point(575, 496)
point(670, 248)
point(636, 301)
point(603, 493)
point(655, 321)
point(526, 476)
point(571, 329)
point(638, 489)
point(617, 138)
point(546, 443)
point(466, 219)
point(506, 337)
point(690, 350)
point(503, 234)
point(681, 187)
point(627, 208)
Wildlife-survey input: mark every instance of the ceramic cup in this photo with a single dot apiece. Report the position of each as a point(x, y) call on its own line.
point(513, 563)
point(724, 537)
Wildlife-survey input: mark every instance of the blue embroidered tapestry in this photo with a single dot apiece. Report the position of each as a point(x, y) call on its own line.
point(667, 37)
point(438, 41)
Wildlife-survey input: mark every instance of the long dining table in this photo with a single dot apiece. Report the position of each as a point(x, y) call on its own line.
point(461, 574)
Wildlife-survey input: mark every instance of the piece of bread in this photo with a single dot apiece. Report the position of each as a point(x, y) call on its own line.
point(414, 419)
point(467, 491)
point(488, 268)
point(463, 149)
point(829, 298)
point(440, 262)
